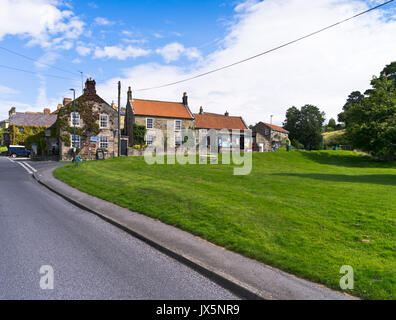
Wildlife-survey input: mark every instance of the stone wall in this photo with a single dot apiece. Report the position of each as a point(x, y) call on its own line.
point(161, 129)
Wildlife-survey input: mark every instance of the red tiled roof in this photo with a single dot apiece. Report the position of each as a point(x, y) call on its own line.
point(276, 127)
point(160, 109)
point(218, 121)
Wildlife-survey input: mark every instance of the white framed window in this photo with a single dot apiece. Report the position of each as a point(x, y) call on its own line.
point(104, 142)
point(104, 121)
point(178, 125)
point(149, 140)
point(178, 140)
point(150, 123)
point(75, 141)
point(75, 119)
point(267, 132)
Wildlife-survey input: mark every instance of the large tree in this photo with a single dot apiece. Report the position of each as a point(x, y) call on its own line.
point(305, 126)
point(389, 71)
point(354, 97)
point(372, 120)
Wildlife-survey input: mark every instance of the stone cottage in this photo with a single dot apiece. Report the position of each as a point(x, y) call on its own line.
point(93, 126)
point(268, 137)
point(35, 130)
point(164, 121)
point(222, 123)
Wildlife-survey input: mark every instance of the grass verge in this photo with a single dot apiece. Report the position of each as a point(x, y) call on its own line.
point(308, 213)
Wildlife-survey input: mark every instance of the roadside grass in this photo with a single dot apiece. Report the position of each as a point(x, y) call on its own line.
point(307, 213)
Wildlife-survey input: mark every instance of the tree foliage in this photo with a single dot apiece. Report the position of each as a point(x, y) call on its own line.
point(372, 120)
point(139, 134)
point(305, 126)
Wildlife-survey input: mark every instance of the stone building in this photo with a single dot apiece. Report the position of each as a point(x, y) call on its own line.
point(95, 124)
point(164, 121)
point(35, 130)
point(224, 124)
point(268, 137)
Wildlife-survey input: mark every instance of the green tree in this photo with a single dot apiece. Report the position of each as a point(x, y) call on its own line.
point(305, 126)
point(372, 120)
point(332, 124)
point(354, 97)
point(389, 71)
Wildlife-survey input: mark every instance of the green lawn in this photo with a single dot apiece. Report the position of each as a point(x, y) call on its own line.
point(306, 213)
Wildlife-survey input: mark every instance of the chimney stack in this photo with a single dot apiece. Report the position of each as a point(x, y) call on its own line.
point(185, 99)
point(227, 114)
point(47, 111)
point(201, 110)
point(90, 86)
point(12, 111)
point(66, 101)
point(129, 94)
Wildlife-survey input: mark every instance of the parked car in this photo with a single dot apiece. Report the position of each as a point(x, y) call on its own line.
point(18, 151)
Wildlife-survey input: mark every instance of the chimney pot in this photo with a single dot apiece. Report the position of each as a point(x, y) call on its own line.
point(201, 110)
point(185, 99)
point(129, 94)
point(90, 86)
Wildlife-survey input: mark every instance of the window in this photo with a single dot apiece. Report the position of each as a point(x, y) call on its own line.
point(75, 140)
point(104, 142)
point(150, 140)
point(267, 132)
point(104, 121)
point(75, 119)
point(178, 125)
point(150, 123)
point(178, 141)
point(21, 130)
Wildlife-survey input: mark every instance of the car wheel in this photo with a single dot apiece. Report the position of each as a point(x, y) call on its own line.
point(13, 155)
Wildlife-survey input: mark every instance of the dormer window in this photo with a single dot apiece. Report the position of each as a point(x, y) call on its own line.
point(104, 121)
point(75, 119)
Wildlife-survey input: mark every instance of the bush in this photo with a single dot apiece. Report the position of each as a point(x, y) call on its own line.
point(297, 145)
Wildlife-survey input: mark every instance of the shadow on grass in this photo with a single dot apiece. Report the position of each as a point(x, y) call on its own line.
point(352, 160)
point(382, 179)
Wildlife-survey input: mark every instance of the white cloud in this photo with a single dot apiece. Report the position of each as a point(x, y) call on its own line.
point(321, 70)
point(83, 51)
point(103, 21)
point(120, 53)
point(6, 91)
point(173, 52)
point(8, 104)
point(40, 21)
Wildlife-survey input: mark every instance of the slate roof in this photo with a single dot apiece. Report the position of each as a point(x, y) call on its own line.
point(161, 109)
point(33, 119)
point(218, 121)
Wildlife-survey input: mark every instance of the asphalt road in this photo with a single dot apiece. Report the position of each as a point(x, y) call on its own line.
point(90, 258)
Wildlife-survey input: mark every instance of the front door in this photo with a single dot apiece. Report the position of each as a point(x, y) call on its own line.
point(124, 147)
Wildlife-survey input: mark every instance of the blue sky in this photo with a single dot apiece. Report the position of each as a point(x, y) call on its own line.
point(146, 43)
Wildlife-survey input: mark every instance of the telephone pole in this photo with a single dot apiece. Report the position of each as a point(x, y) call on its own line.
point(119, 118)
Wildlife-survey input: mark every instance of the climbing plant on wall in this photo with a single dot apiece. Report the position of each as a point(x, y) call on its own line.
point(30, 135)
point(139, 134)
point(88, 116)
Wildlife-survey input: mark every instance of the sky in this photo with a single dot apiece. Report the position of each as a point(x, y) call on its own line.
point(147, 43)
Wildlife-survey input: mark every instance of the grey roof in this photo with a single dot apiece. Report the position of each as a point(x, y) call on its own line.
point(33, 119)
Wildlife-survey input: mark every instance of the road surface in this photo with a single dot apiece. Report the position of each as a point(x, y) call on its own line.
point(90, 258)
